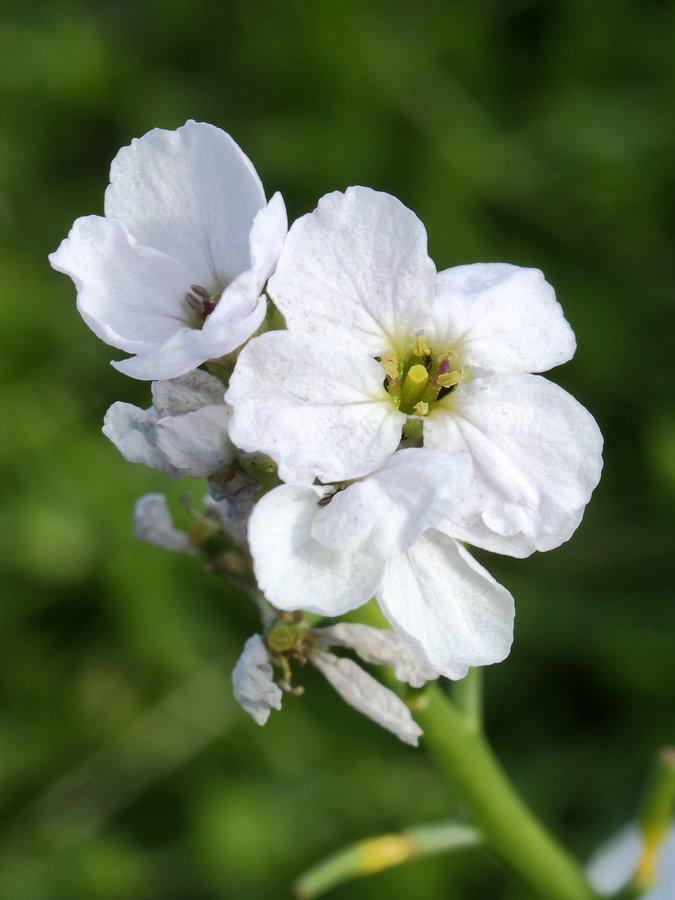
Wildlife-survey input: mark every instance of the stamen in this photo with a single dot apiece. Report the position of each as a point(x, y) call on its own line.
point(285, 683)
point(202, 301)
point(325, 500)
point(388, 362)
point(421, 347)
point(421, 408)
point(449, 379)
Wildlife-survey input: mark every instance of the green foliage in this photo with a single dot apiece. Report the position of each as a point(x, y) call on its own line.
point(534, 133)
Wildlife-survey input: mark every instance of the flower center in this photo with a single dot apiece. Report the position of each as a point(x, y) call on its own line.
point(419, 377)
point(290, 640)
point(202, 302)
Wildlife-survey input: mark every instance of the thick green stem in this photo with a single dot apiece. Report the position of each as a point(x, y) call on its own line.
point(468, 696)
point(461, 751)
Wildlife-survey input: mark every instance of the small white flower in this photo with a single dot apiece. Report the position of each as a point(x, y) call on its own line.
point(153, 524)
point(253, 681)
point(174, 271)
point(256, 691)
point(616, 863)
point(183, 434)
point(329, 553)
point(378, 342)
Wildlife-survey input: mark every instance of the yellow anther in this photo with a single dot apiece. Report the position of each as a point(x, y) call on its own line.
point(449, 379)
point(421, 346)
point(417, 375)
point(389, 364)
point(421, 408)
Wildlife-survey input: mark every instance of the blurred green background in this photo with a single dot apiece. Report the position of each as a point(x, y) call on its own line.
point(535, 133)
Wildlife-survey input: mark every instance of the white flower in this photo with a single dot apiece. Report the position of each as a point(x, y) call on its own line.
point(174, 271)
point(329, 552)
point(256, 691)
point(184, 433)
point(378, 342)
point(615, 864)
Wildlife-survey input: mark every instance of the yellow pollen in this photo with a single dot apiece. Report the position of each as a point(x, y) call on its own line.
point(421, 408)
point(417, 375)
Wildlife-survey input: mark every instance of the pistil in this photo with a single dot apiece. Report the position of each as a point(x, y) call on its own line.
point(413, 386)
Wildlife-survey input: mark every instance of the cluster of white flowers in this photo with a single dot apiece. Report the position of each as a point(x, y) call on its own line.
point(358, 415)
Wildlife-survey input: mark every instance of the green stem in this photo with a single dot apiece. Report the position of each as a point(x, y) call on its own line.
point(468, 696)
point(460, 749)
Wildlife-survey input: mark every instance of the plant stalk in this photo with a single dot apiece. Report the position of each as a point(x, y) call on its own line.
point(459, 748)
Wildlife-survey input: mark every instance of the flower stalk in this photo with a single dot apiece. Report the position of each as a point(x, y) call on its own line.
point(468, 697)
point(459, 748)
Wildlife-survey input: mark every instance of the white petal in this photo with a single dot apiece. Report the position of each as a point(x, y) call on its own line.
point(665, 888)
point(196, 443)
point(189, 348)
point(318, 411)
point(368, 696)
point(252, 681)
point(131, 296)
point(239, 313)
point(296, 572)
point(190, 193)
point(387, 511)
point(153, 523)
point(176, 396)
point(380, 647)
point(536, 454)
point(446, 607)
point(614, 864)
point(504, 318)
point(517, 545)
point(240, 299)
point(134, 432)
point(356, 271)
